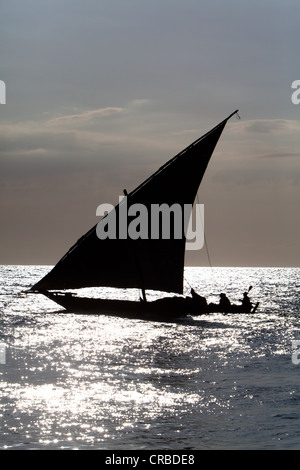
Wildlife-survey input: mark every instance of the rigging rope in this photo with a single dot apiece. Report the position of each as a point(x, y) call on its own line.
point(205, 241)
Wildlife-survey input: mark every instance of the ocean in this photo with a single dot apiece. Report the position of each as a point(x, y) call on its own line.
point(70, 381)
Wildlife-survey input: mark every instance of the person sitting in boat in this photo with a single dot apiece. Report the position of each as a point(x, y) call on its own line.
point(246, 303)
point(224, 303)
point(198, 298)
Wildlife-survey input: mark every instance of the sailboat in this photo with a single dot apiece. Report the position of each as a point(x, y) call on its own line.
point(146, 263)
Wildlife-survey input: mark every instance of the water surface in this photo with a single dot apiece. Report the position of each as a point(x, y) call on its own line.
point(98, 382)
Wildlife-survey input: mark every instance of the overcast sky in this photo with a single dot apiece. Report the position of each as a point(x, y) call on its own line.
point(100, 93)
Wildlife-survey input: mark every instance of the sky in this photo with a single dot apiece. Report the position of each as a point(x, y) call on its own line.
point(101, 93)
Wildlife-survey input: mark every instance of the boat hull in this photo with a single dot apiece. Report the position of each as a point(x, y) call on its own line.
point(165, 308)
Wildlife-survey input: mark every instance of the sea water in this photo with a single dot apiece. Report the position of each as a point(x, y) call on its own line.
point(70, 381)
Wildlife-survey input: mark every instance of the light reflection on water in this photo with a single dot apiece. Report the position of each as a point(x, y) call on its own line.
point(74, 381)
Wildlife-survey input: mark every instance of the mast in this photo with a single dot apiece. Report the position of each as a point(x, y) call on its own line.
point(136, 255)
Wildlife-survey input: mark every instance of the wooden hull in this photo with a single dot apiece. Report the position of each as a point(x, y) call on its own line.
point(162, 309)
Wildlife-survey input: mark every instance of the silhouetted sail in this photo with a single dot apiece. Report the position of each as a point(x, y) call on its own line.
point(156, 264)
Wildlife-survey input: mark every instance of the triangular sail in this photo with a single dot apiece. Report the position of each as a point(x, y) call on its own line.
point(156, 264)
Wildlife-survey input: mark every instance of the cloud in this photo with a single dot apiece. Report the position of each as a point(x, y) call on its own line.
point(280, 155)
point(265, 126)
point(80, 119)
point(83, 132)
point(108, 147)
point(135, 134)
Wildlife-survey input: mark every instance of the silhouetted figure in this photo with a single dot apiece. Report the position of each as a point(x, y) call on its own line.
point(224, 303)
point(246, 303)
point(201, 301)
